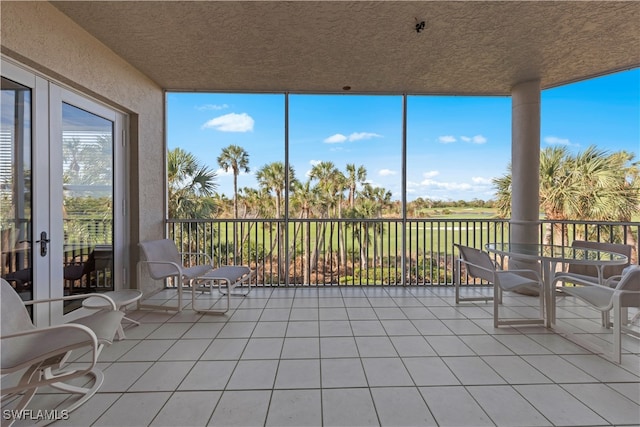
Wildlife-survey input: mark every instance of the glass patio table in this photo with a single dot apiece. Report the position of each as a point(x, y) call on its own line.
point(549, 256)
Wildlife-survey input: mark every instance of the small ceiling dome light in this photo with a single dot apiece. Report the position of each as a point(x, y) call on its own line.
point(419, 25)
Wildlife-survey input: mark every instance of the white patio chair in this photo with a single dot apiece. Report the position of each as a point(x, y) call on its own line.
point(39, 355)
point(162, 259)
point(590, 272)
point(458, 279)
point(479, 264)
point(625, 293)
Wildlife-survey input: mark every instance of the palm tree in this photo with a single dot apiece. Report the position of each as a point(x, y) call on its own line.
point(191, 186)
point(271, 177)
point(304, 198)
point(355, 177)
point(235, 158)
point(592, 185)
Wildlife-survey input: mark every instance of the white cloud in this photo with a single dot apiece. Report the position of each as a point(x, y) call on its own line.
point(449, 186)
point(447, 139)
point(386, 172)
point(481, 181)
point(479, 139)
point(357, 136)
point(231, 122)
point(554, 140)
point(430, 174)
point(335, 139)
point(214, 107)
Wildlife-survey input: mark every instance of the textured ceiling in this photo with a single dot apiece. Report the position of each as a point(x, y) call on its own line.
point(305, 46)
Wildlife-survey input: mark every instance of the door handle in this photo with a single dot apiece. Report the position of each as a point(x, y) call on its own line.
point(44, 241)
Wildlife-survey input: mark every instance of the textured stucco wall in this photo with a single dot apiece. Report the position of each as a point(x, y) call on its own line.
point(40, 36)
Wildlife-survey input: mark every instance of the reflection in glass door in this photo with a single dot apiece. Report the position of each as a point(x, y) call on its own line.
point(15, 187)
point(87, 202)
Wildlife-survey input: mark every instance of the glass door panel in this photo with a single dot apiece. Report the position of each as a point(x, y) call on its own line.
point(87, 202)
point(15, 187)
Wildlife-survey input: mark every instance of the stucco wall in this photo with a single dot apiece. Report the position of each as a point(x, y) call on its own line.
point(38, 35)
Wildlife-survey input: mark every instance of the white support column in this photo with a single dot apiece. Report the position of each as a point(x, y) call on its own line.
point(525, 162)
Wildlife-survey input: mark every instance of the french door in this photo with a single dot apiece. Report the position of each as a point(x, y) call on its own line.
point(61, 169)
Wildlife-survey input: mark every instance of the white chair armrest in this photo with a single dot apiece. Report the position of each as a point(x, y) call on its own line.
point(178, 268)
point(73, 297)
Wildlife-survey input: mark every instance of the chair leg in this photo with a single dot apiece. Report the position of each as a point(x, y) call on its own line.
point(497, 299)
point(86, 392)
point(617, 330)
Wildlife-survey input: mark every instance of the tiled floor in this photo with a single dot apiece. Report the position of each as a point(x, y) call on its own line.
point(351, 356)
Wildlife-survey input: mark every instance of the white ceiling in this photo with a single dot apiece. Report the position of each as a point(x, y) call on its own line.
point(472, 47)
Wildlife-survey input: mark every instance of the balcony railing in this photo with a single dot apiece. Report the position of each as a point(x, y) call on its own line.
point(324, 252)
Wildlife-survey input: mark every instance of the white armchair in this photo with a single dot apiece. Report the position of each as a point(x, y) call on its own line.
point(39, 355)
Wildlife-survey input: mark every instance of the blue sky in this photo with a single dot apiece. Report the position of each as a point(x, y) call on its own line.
point(455, 145)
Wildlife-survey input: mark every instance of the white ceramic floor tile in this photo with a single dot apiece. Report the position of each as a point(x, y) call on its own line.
point(485, 345)
point(342, 373)
point(472, 371)
point(237, 330)
point(304, 314)
point(515, 370)
point(389, 313)
point(303, 329)
point(375, 347)
point(301, 348)
point(241, 408)
point(399, 327)
point(449, 346)
point(418, 313)
point(126, 411)
point(348, 407)
point(361, 313)
point(608, 403)
point(170, 331)
point(225, 349)
point(521, 344)
point(412, 346)
point(295, 408)
point(204, 330)
point(558, 406)
point(118, 377)
point(454, 406)
point(431, 327)
point(270, 329)
point(208, 375)
point(430, 371)
point(275, 315)
point(600, 368)
point(187, 349)
point(338, 347)
point(298, 373)
point(333, 313)
point(89, 412)
point(253, 375)
point(401, 406)
point(335, 328)
point(386, 372)
point(506, 406)
point(263, 348)
point(558, 370)
point(187, 408)
point(162, 376)
point(147, 351)
point(362, 328)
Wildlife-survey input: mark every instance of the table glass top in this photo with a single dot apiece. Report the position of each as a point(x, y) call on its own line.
point(529, 250)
